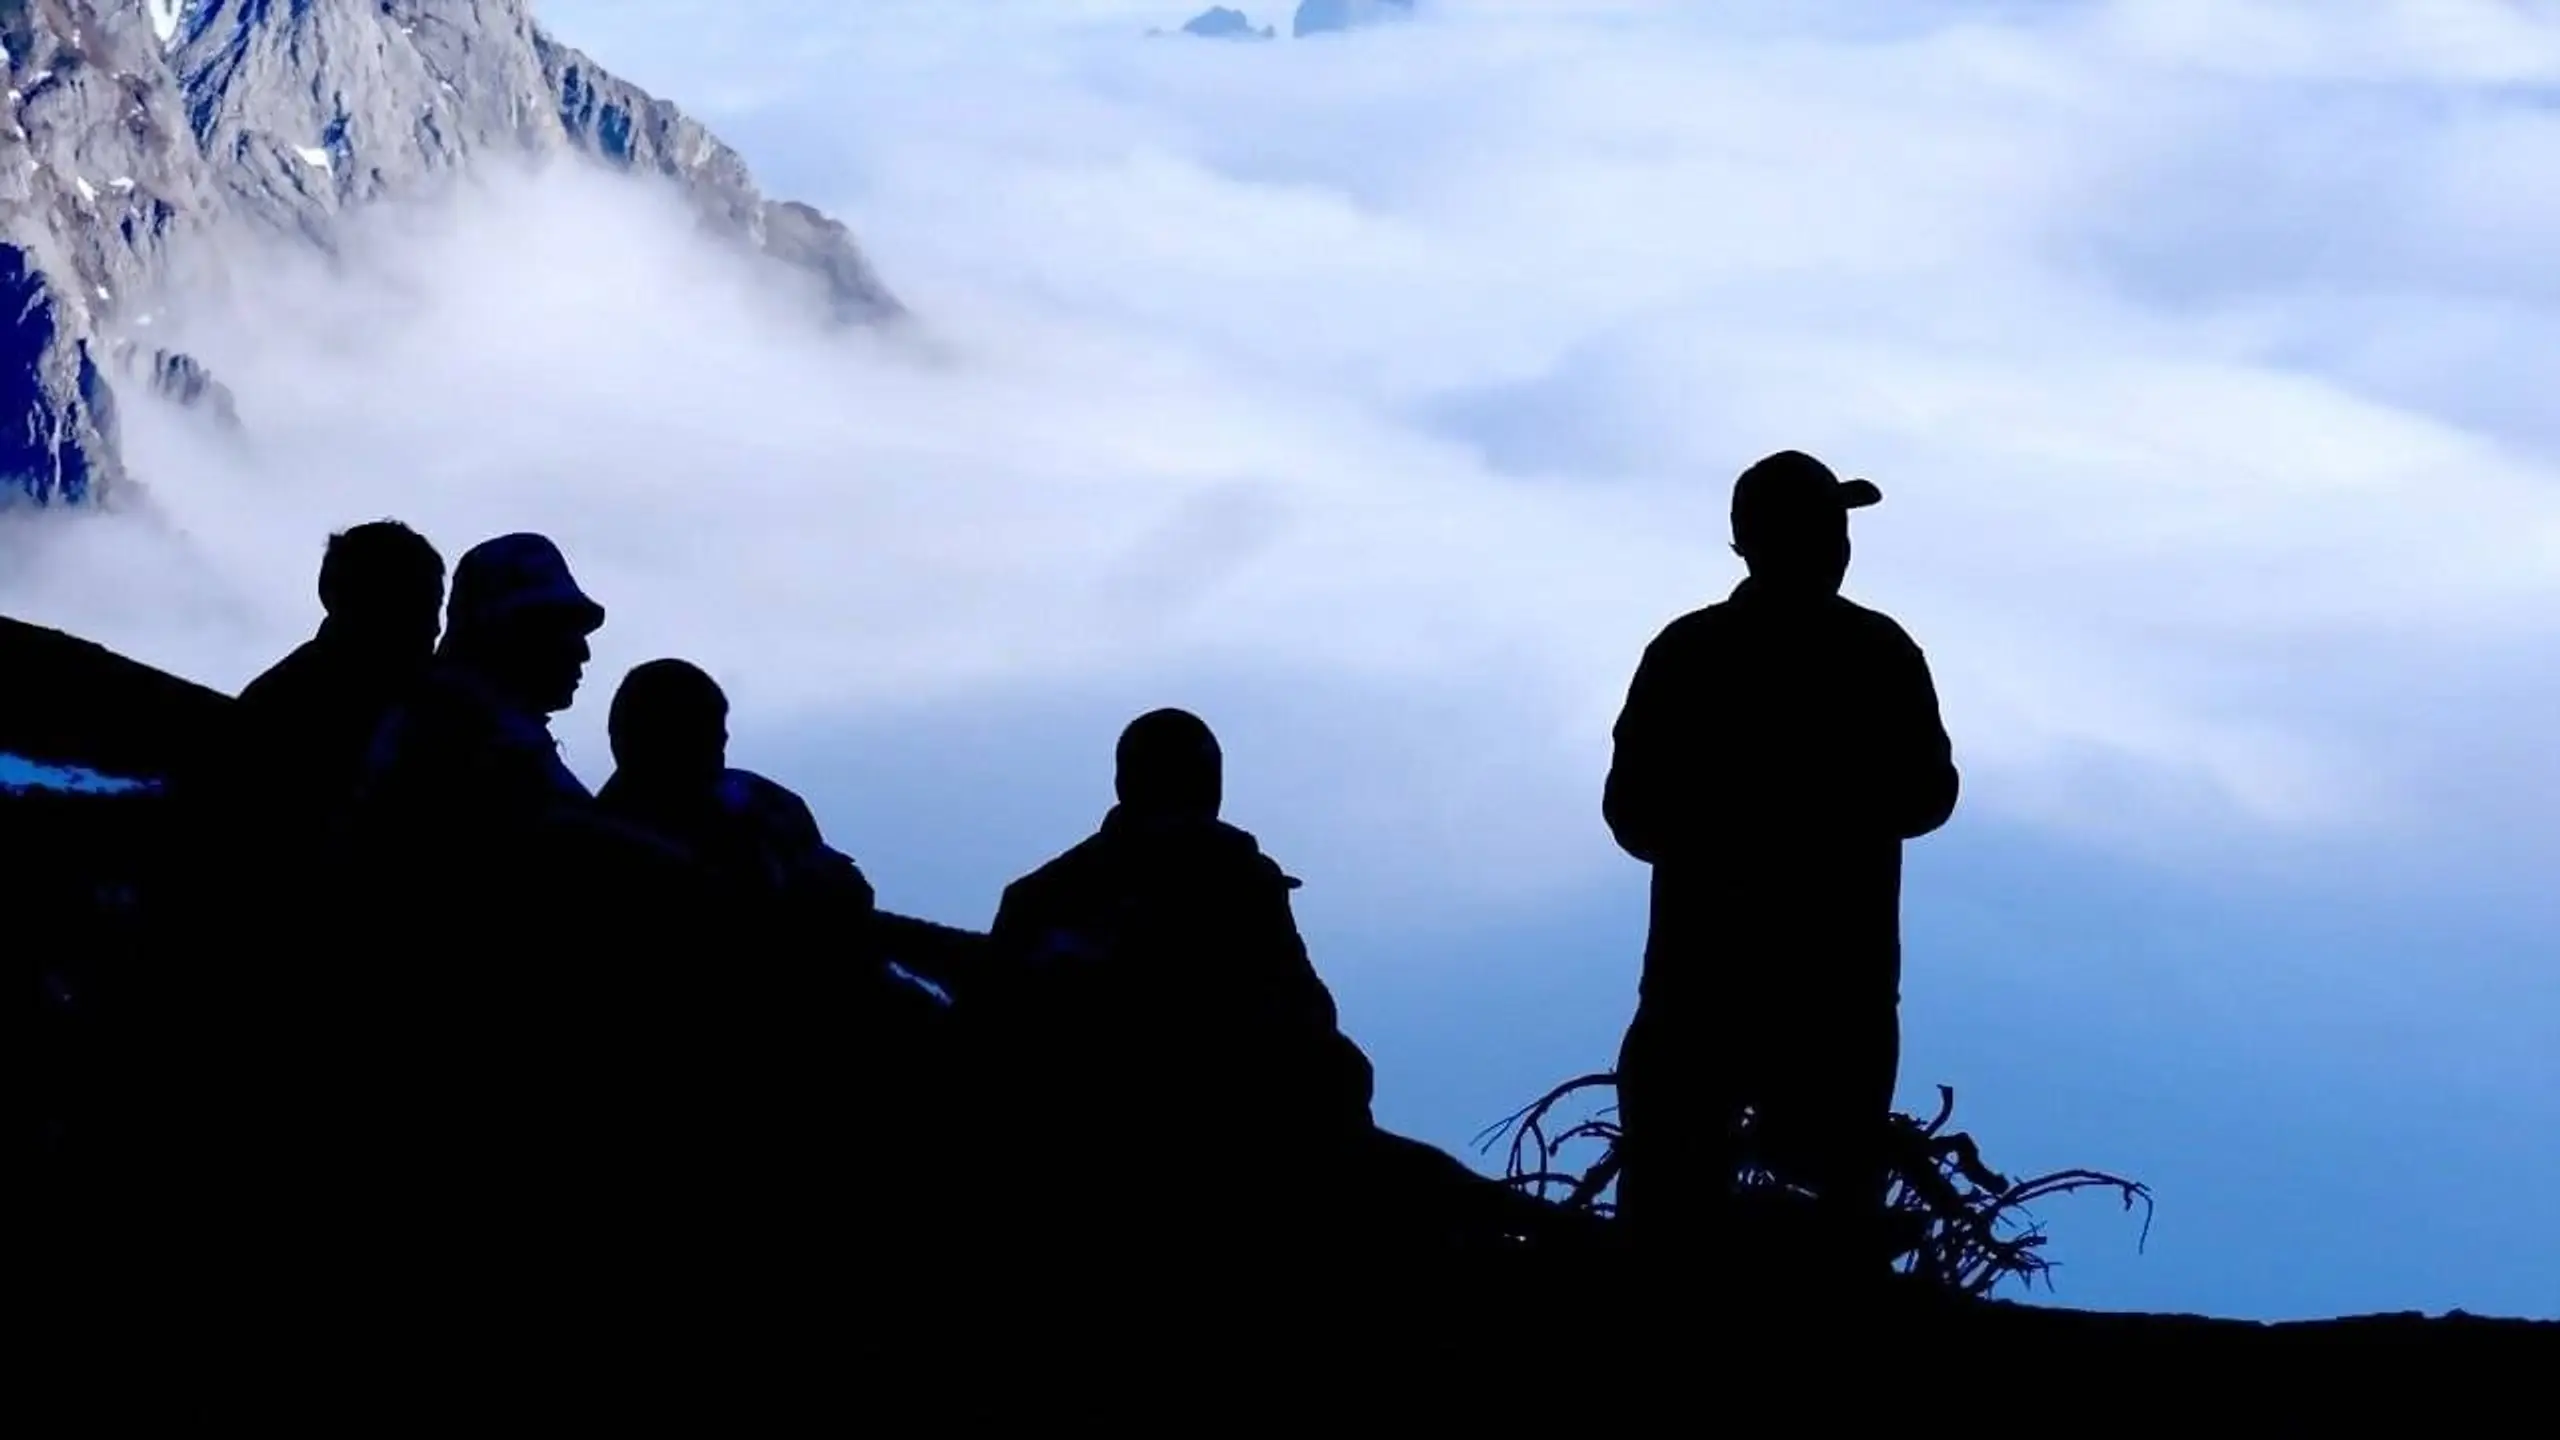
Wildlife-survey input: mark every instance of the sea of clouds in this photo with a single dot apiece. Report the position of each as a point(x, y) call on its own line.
point(2202, 352)
point(1378, 395)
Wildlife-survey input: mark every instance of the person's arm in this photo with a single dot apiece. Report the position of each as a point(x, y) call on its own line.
point(845, 881)
point(1918, 784)
point(1632, 800)
point(1297, 1000)
point(1032, 929)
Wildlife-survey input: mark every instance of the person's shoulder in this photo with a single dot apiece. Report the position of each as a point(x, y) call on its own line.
point(1241, 849)
point(1046, 894)
point(614, 795)
point(767, 795)
point(1874, 627)
point(1065, 870)
point(444, 696)
point(282, 678)
point(1695, 625)
point(1692, 639)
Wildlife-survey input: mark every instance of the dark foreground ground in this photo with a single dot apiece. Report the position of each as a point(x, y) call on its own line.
point(1238, 1349)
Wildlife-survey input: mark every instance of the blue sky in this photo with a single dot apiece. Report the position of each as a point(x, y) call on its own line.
point(1378, 396)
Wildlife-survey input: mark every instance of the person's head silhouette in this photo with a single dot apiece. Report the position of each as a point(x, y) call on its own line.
point(382, 585)
point(1791, 522)
point(519, 620)
point(1169, 767)
point(670, 727)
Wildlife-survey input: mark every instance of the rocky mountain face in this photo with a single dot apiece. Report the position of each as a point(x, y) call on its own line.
point(1220, 23)
point(57, 415)
point(139, 135)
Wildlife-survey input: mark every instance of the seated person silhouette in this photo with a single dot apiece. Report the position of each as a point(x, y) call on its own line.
point(310, 718)
point(816, 1010)
point(1154, 975)
point(669, 729)
point(466, 775)
point(1775, 751)
point(518, 968)
point(260, 823)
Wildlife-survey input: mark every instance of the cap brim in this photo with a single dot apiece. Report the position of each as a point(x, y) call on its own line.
point(1859, 494)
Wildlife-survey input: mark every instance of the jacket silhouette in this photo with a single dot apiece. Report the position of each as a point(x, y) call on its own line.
point(464, 795)
point(1154, 973)
point(1177, 938)
point(249, 1005)
point(804, 1011)
point(307, 723)
point(669, 728)
point(1775, 751)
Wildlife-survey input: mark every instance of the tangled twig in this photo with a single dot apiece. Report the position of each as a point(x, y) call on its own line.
point(1958, 1224)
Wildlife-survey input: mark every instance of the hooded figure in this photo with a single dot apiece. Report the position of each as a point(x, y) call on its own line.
point(1774, 753)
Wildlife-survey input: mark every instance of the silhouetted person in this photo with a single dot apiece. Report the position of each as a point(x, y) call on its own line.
point(805, 1008)
point(1774, 752)
point(520, 988)
point(309, 720)
point(255, 937)
point(669, 729)
point(1156, 978)
point(474, 747)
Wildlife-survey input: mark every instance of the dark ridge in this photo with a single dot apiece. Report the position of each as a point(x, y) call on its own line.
point(67, 701)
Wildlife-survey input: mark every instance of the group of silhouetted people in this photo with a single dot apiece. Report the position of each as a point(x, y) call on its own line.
point(428, 971)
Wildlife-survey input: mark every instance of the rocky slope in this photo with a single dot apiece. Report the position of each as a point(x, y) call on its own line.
point(57, 415)
point(139, 135)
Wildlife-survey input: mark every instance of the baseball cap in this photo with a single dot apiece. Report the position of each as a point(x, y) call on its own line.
point(512, 575)
point(1792, 484)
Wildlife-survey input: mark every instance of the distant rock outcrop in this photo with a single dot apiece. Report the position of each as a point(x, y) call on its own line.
point(626, 127)
point(139, 132)
point(1220, 23)
point(177, 376)
point(1317, 17)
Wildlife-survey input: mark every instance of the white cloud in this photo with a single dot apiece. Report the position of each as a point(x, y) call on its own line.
point(2200, 351)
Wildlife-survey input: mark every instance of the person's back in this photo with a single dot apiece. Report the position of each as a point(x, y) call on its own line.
point(796, 999)
point(305, 725)
point(1155, 977)
point(1176, 940)
point(1774, 753)
point(1777, 753)
point(669, 731)
point(262, 925)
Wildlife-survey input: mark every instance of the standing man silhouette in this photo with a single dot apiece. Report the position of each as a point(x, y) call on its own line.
point(1774, 752)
